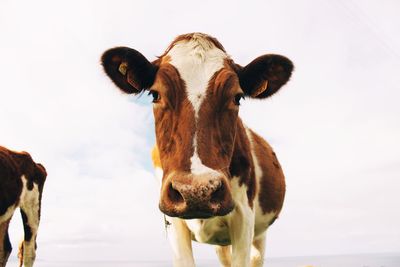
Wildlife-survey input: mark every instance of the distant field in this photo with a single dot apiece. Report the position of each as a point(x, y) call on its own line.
point(362, 260)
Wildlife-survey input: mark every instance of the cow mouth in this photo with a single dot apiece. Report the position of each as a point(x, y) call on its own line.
point(197, 213)
point(202, 215)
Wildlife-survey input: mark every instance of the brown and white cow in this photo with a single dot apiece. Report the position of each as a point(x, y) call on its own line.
point(221, 183)
point(21, 185)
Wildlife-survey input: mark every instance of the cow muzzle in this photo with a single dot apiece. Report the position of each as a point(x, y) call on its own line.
point(190, 196)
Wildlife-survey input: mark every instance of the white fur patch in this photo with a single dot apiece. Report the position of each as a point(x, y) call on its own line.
point(9, 212)
point(241, 225)
point(180, 240)
point(29, 202)
point(211, 230)
point(262, 220)
point(257, 168)
point(258, 251)
point(197, 61)
point(197, 166)
point(239, 192)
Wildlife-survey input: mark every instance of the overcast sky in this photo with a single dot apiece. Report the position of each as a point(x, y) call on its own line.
point(335, 127)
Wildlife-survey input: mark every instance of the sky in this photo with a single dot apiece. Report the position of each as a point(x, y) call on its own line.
point(335, 126)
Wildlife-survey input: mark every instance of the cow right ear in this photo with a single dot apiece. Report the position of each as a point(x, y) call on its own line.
point(265, 75)
point(128, 69)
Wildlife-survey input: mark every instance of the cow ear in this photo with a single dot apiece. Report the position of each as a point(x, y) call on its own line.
point(128, 69)
point(265, 75)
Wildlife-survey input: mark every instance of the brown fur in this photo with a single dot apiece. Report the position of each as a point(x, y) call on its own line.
point(275, 69)
point(242, 163)
point(175, 128)
point(5, 245)
point(174, 117)
point(272, 184)
point(10, 181)
point(12, 166)
point(139, 72)
point(216, 127)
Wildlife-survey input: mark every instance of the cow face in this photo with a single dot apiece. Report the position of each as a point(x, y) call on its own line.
point(196, 90)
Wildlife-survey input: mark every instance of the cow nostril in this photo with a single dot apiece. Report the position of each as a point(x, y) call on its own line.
point(174, 195)
point(218, 195)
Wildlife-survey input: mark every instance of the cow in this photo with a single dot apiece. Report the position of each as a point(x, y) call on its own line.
point(21, 185)
point(221, 183)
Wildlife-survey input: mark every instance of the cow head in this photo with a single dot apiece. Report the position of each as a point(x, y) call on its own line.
point(196, 90)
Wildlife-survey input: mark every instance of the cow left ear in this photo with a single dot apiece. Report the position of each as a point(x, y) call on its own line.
point(265, 75)
point(128, 69)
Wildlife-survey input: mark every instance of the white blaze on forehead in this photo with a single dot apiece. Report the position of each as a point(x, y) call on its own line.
point(197, 60)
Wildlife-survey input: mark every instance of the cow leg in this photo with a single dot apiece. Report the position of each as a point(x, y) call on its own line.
point(5, 245)
point(224, 255)
point(181, 242)
point(30, 219)
point(241, 231)
point(30, 212)
point(257, 251)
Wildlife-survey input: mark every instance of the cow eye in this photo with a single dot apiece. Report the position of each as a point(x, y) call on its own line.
point(237, 99)
point(155, 95)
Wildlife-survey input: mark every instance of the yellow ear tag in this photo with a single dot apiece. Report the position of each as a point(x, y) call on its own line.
point(123, 67)
point(260, 89)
